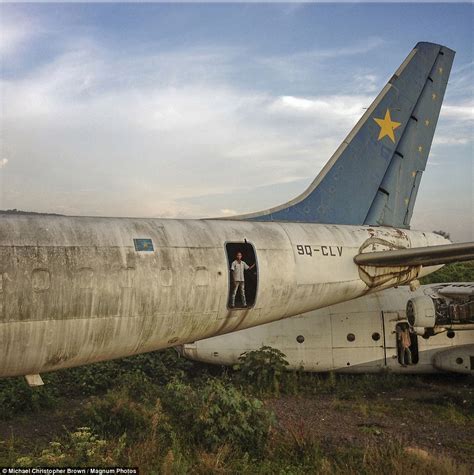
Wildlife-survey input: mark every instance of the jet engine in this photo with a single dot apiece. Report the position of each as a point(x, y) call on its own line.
point(449, 306)
point(421, 312)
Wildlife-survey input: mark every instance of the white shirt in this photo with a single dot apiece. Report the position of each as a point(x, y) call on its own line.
point(238, 270)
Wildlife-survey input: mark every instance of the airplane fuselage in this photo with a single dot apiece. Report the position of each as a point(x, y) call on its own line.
point(76, 290)
point(359, 336)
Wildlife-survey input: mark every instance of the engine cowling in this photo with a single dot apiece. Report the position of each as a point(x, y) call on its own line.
point(421, 312)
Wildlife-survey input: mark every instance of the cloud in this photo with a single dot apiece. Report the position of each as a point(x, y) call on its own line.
point(450, 140)
point(360, 47)
point(459, 112)
point(307, 66)
point(96, 121)
point(345, 107)
point(15, 32)
point(228, 212)
point(3, 163)
point(366, 81)
point(10, 37)
point(456, 123)
point(193, 132)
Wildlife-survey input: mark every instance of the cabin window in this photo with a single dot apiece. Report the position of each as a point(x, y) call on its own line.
point(41, 280)
point(407, 345)
point(166, 277)
point(143, 245)
point(84, 278)
point(243, 275)
point(201, 277)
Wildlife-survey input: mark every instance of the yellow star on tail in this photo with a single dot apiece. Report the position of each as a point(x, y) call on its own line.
point(387, 126)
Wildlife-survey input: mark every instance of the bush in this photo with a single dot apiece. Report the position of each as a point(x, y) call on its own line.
point(81, 448)
point(456, 272)
point(135, 372)
point(117, 414)
point(263, 369)
point(16, 396)
point(217, 413)
point(157, 366)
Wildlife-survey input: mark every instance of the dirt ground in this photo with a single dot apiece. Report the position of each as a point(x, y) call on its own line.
point(437, 419)
point(425, 419)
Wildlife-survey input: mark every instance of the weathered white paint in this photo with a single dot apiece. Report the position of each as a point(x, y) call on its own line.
point(457, 359)
point(326, 346)
point(75, 291)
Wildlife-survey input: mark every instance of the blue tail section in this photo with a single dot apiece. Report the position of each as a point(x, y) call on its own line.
point(374, 175)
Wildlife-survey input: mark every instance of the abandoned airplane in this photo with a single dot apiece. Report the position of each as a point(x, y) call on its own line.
point(365, 335)
point(76, 290)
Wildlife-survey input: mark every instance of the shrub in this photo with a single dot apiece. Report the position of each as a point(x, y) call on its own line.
point(81, 448)
point(455, 272)
point(217, 413)
point(115, 414)
point(157, 366)
point(16, 396)
point(263, 369)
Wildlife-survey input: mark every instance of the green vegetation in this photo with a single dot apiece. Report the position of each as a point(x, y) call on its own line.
point(17, 397)
point(263, 369)
point(79, 448)
point(216, 413)
point(19, 211)
point(457, 272)
point(168, 415)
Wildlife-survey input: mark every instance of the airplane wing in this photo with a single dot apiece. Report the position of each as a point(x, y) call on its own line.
point(462, 289)
point(425, 256)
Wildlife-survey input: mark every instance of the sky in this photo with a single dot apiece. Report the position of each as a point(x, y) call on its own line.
point(205, 110)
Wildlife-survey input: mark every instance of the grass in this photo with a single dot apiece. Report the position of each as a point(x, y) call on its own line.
point(169, 416)
point(290, 454)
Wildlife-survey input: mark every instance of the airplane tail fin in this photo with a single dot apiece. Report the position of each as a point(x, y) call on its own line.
point(374, 175)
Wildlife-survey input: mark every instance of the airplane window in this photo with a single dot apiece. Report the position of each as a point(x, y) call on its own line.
point(41, 279)
point(243, 275)
point(351, 337)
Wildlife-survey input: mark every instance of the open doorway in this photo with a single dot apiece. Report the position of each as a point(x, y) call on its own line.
point(407, 345)
point(243, 275)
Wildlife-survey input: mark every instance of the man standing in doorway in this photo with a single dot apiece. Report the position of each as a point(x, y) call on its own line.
point(238, 268)
point(405, 343)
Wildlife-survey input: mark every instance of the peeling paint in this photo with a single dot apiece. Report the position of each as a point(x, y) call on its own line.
point(75, 290)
